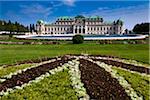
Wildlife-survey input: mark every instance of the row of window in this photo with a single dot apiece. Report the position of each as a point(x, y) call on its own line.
point(86, 33)
point(63, 23)
point(88, 29)
point(58, 29)
point(101, 33)
point(70, 23)
point(93, 23)
point(101, 28)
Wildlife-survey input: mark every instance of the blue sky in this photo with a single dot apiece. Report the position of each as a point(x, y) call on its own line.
point(26, 12)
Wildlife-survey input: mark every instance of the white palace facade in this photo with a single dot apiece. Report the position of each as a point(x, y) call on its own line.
point(80, 25)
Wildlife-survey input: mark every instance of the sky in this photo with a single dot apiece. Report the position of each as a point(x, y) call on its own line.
point(28, 12)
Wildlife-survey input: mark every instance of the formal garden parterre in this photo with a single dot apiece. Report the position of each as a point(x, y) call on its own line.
point(73, 77)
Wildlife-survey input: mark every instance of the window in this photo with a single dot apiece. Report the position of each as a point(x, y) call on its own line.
point(114, 28)
point(80, 30)
point(75, 30)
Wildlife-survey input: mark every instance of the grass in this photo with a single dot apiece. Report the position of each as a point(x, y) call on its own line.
point(138, 82)
point(54, 87)
point(12, 53)
point(12, 69)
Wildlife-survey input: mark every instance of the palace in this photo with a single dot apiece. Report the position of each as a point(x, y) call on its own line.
point(80, 25)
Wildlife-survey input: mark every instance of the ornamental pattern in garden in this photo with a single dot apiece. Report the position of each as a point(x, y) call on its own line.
point(80, 69)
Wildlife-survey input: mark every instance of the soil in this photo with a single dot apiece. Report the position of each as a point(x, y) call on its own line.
point(124, 65)
point(99, 83)
point(31, 74)
point(30, 61)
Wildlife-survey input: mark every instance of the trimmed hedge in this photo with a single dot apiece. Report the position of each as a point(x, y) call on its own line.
point(77, 39)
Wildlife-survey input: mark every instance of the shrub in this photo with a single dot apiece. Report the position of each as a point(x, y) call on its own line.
point(77, 39)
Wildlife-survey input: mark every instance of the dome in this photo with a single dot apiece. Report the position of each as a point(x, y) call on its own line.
point(40, 21)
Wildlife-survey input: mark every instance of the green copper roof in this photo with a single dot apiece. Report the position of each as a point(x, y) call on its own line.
point(120, 22)
point(80, 16)
point(108, 22)
point(95, 17)
point(40, 21)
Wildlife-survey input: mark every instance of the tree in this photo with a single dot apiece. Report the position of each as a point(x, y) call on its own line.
point(9, 26)
point(33, 28)
point(77, 39)
point(126, 31)
point(142, 28)
point(30, 28)
point(12, 27)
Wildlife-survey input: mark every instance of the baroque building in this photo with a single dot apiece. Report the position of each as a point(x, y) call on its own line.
point(80, 25)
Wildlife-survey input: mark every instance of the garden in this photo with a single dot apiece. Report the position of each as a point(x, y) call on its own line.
point(75, 77)
point(60, 70)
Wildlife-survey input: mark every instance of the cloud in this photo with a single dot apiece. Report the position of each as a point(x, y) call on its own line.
point(117, 11)
point(131, 15)
point(54, 4)
point(36, 9)
point(69, 2)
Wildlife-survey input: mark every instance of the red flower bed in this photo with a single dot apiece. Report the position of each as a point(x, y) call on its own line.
point(124, 65)
point(99, 84)
point(31, 74)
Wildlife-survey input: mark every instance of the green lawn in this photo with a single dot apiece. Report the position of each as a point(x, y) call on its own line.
point(54, 87)
point(12, 53)
point(138, 82)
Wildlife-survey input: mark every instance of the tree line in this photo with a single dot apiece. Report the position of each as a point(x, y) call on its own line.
point(142, 28)
point(15, 27)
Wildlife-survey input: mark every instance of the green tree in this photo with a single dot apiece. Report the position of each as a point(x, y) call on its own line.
point(142, 28)
point(12, 27)
point(126, 31)
point(33, 27)
point(30, 28)
point(77, 39)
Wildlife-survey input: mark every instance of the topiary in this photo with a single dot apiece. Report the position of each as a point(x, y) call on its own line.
point(77, 39)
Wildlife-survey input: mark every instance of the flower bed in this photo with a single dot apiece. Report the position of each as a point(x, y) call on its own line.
point(123, 60)
point(99, 83)
point(54, 87)
point(124, 65)
point(91, 77)
point(31, 74)
point(138, 82)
